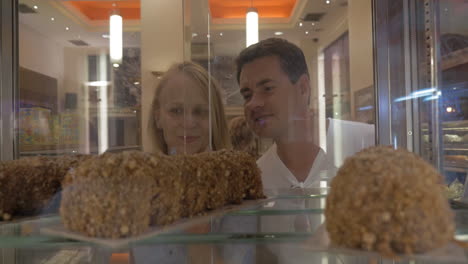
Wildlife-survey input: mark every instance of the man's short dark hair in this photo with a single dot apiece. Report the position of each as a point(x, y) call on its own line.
point(291, 57)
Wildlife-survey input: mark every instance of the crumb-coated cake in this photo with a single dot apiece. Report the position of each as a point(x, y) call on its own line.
point(28, 184)
point(109, 196)
point(122, 194)
point(390, 201)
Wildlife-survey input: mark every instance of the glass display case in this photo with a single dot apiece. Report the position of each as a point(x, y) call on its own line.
point(394, 68)
point(287, 228)
point(421, 89)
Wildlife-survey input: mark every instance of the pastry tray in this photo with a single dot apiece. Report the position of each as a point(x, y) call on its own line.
point(60, 231)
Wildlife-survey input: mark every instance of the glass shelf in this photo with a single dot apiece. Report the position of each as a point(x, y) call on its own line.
point(290, 223)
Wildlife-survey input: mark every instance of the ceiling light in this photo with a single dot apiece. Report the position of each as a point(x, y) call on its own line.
point(278, 33)
point(313, 24)
point(327, 2)
point(115, 38)
point(450, 109)
point(97, 84)
point(307, 32)
point(35, 7)
point(300, 24)
point(116, 65)
point(221, 34)
point(67, 28)
point(251, 27)
point(53, 19)
point(194, 35)
point(136, 83)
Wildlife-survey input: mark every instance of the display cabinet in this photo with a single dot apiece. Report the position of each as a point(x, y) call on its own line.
point(404, 60)
point(286, 228)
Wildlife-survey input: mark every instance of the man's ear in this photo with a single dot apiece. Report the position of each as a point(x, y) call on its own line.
point(304, 86)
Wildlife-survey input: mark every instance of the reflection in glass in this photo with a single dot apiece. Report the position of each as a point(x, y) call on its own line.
point(73, 99)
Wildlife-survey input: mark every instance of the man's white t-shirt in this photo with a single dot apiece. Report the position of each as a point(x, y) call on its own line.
point(275, 175)
point(344, 138)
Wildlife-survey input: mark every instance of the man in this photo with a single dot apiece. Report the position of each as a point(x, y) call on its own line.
point(274, 81)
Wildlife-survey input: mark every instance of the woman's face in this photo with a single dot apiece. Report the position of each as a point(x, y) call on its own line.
point(183, 116)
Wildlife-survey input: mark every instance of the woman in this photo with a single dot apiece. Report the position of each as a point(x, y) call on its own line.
point(183, 122)
point(180, 124)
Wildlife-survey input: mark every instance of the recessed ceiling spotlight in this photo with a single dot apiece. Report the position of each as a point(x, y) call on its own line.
point(35, 7)
point(278, 33)
point(105, 35)
point(313, 23)
point(136, 83)
point(116, 65)
point(53, 19)
point(307, 32)
point(300, 24)
point(221, 34)
point(194, 35)
point(327, 2)
point(67, 28)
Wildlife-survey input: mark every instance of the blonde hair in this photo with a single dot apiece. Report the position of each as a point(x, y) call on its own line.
point(219, 130)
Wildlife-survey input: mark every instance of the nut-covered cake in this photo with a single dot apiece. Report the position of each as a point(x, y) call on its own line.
point(390, 201)
point(109, 196)
point(28, 184)
point(122, 194)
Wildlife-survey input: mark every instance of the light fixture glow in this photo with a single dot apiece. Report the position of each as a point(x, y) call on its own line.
point(35, 7)
point(300, 24)
point(97, 83)
point(278, 33)
point(105, 35)
point(115, 65)
point(67, 28)
point(327, 2)
point(103, 139)
point(450, 109)
point(251, 27)
point(221, 34)
point(115, 38)
point(307, 32)
point(313, 24)
point(52, 18)
point(194, 35)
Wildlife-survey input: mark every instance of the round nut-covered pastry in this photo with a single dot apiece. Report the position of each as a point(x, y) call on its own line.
point(390, 201)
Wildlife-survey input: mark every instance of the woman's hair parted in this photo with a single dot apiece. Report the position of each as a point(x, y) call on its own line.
point(219, 129)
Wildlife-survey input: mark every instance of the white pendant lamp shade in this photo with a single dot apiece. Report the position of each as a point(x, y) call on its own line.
point(251, 26)
point(115, 38)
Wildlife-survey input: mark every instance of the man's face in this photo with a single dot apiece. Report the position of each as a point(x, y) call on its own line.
point(271, 101)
